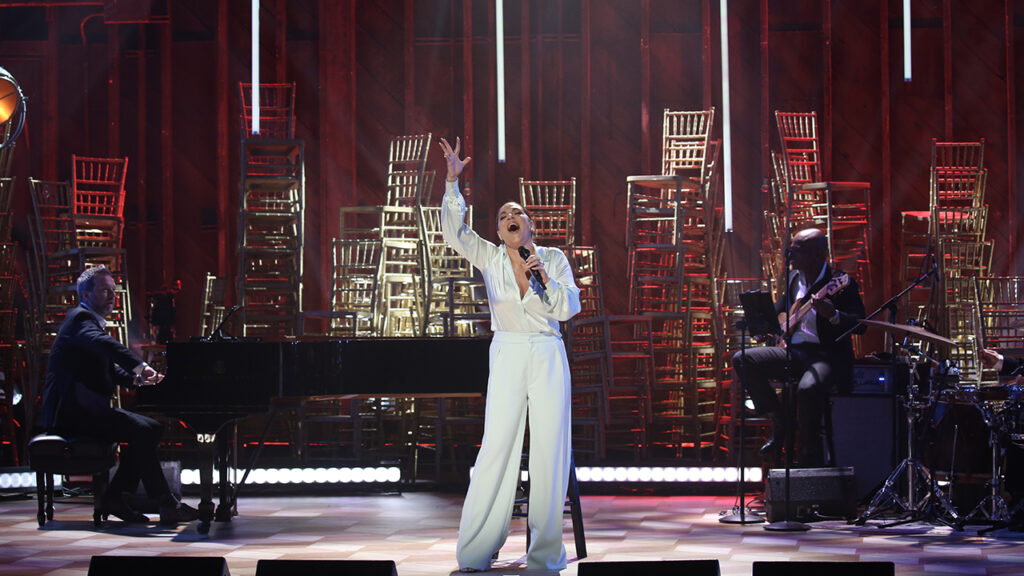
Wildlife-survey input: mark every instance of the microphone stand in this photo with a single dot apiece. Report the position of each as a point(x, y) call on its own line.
point(890, 304)
point(788, 525)
point(741, 516)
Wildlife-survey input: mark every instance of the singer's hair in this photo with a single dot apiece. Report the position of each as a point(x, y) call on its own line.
point(87, 281)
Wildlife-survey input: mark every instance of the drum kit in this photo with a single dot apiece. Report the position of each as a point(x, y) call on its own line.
point(912, 491)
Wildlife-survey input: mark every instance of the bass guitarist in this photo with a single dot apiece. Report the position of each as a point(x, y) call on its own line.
point(825, 304)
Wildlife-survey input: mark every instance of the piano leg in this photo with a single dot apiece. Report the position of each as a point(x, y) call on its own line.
point(225, 506)
point(205, 488)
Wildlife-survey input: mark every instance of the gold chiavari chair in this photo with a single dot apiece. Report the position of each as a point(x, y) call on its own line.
point(552, 208)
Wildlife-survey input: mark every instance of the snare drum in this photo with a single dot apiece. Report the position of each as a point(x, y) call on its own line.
point(984, 394)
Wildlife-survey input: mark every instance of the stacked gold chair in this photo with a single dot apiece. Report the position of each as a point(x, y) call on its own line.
point(457, 299)
point(842, 209)
point(404, 259)
point(8, 346)
point(552, 208)
point(270, 214)
point(6, 154)
point(956, 213)
point(354, 292)
point(212, 310)
point(1001, 313)
point(585, 347)
point(674, 258)
point(97, 186)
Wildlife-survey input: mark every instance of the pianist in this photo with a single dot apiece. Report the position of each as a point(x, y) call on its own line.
point(530, 289)
point(85, 367)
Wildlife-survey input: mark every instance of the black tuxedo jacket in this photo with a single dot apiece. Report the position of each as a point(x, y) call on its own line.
point(851, 309)
point(1010, 364)
point(86, 365)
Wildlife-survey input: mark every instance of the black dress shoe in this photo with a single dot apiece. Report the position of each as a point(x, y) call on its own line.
point(117, 507)
point(177, 513)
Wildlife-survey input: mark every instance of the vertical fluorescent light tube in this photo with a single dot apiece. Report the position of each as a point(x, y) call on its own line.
point(906, 40)
point(499, 42)
point(726, 126)
point(255, 66)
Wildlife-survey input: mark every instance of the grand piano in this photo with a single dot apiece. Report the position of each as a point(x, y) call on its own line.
point(209, 385)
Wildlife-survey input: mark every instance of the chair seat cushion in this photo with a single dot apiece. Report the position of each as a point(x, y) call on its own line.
point(72, 455)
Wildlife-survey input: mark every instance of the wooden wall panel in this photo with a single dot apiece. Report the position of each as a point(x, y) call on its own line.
point(575, 105)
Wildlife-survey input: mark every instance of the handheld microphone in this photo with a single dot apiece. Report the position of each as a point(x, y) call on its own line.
point(524, 252)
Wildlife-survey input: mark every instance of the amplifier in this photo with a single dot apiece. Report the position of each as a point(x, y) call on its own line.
point(814, 494)
point(872, 376)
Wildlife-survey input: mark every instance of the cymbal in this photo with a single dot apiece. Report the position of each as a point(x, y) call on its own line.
point(915, 331)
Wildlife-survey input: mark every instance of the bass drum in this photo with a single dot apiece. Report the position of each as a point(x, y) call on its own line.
point(958, 441)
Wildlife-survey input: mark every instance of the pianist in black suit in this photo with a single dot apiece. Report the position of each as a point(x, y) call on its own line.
point(86, 365)
point(530, 290)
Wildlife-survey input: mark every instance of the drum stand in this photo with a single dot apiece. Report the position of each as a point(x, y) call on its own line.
point(993, 506)
point(928, 505)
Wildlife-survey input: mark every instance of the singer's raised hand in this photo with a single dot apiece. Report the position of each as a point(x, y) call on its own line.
point(451, 158)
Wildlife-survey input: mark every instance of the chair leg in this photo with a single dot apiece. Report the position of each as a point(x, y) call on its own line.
point(99, 490)
point(41, 497)
point(49, 496)
point(576, 512)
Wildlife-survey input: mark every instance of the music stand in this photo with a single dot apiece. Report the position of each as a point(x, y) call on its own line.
point(763, 316)
point(760, 320)
point(759, 313)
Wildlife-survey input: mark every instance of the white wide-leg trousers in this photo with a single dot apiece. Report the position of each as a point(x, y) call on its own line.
point(529, 374)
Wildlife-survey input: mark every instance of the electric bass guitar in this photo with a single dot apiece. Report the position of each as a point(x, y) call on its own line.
point(799, 310)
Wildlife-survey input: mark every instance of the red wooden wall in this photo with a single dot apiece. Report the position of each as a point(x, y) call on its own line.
point(586, 83)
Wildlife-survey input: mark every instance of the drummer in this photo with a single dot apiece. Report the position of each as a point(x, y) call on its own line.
point(1007, 366)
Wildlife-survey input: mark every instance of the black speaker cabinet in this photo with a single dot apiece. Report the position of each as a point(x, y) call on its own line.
point(326, 568)
point(158, 566)
point(819, 568)
point(651, 568)
point(866, 432)
point(814, 493)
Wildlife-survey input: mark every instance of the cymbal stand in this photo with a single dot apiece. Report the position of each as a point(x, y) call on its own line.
point(926, 505)
point(993, 506)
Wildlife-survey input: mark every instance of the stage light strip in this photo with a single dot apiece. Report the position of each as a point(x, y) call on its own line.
point(726, 126)
point(393, 474)
point(301, 476)
point(499, 42)
point(906, 40)
point(255, 66)
point(14, 480)
point(659, 474)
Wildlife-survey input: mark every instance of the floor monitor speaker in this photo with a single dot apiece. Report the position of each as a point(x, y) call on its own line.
point(326, 568)
point(829, 568)
point(650, 568)
point(158, 566)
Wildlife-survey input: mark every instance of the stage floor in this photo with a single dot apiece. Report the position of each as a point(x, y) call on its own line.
point(418, 531)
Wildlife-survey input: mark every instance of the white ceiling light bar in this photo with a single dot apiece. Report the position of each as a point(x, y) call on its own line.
point(906, 40)
point(255, 66)
point(726, 126)
point(499, 43)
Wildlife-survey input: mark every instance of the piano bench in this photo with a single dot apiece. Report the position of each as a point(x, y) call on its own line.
point(50, 454)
